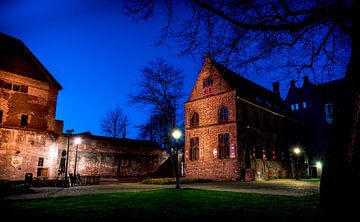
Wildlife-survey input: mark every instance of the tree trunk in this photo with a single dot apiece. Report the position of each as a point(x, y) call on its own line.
point(340, 181)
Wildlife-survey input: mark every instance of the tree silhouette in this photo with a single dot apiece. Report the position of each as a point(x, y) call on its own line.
point(114, 123)
point(289, 37)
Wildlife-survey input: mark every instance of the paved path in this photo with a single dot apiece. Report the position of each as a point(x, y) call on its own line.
point(278, 187)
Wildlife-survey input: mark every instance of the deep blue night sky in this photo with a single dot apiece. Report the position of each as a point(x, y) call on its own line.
point(95, 53)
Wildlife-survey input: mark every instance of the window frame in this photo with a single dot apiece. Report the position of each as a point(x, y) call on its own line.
point(224, 146)
point(24, 120)
point(194, 148)
point(223, 114)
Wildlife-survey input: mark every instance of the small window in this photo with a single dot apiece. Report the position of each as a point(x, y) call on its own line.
point(41, 162)
point(24, 120)
point(223, 114)
point(194, 120)
point(24, 89)
point(292, 107)
point(296, 106)
point(194, 148)
point(329, 112)
point(16, 88)
point(8, 85)
point(224, 146)
point(1, 114)
point(308, 103)
point(304, 105)
point(207, 86)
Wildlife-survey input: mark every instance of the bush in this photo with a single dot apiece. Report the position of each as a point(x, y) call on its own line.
point(14, 187)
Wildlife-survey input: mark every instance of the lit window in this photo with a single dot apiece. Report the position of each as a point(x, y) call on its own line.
point(194, 148)
point(304, 105)
point(329, 112)
point(24, 120)
point(296, 106)
point(207, 86)
point(292, 107)
point(223, 114)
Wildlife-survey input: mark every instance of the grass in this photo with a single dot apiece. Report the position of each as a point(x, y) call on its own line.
point(169, 204)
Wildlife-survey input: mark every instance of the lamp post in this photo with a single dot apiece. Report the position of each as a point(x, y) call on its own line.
point(297, 152)
point(66, 182)
point(77, 142)
point(176, 134)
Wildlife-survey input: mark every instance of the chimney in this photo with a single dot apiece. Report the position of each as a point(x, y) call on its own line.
point(276, 88)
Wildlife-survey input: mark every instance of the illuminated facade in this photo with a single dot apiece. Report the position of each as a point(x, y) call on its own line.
point(29, 132)
point(236, 129)
point(32, 140)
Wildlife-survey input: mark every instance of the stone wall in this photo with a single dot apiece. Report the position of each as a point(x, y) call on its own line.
point(109, 157)
point(20, 151)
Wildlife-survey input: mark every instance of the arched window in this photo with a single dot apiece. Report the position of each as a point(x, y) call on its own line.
point(223, 114)
point(194, 120)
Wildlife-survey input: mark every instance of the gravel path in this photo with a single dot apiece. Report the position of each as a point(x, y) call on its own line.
point(278, 187)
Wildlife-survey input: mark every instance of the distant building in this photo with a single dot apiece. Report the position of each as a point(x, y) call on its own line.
point(32, 140)
point(236, 129)
point(314, 105)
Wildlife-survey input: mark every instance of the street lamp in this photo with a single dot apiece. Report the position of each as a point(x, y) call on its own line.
point(176, 134)
point(77, 142)
point(297, 151)
point(66, 182)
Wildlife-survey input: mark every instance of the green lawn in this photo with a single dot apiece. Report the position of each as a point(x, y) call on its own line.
point(169, 205)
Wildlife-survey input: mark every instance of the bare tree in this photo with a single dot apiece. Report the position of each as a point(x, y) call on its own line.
point(114, 123)
point(160, 87)
point(153, 129)
point(291, 37)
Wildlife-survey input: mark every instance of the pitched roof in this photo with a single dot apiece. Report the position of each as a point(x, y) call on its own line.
point(330, 89)
point(16, 58)
point(251, 91)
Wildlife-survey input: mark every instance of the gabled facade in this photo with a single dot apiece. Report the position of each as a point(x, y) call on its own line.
point(236, 129)
point(314, 105)
point(29, 132)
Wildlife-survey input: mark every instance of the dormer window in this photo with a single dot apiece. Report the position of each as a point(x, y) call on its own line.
point(207, 86)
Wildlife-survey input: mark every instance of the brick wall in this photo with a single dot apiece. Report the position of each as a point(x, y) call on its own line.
point(39, 102)
point(20, 151)
point(102, 156)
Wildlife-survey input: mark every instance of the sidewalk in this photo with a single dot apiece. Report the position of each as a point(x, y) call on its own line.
point(276, 187)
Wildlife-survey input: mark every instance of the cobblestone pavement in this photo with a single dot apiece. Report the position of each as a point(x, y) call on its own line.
point(278, 187)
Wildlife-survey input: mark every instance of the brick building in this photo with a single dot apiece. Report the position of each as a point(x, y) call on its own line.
point(235, 128)
point(31, 139)
point(314, 105)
